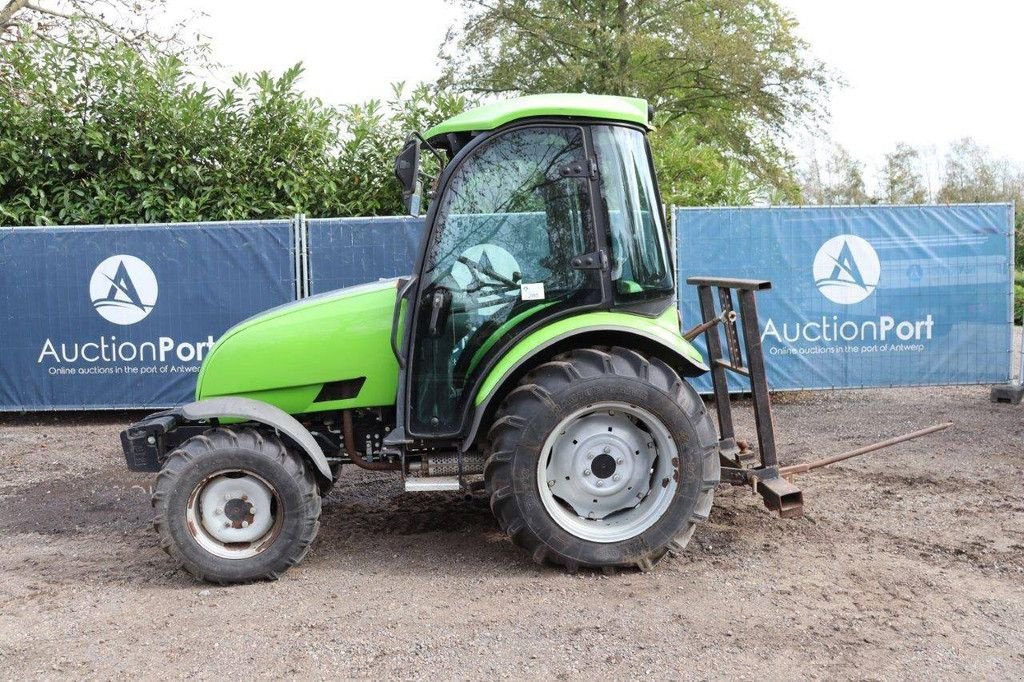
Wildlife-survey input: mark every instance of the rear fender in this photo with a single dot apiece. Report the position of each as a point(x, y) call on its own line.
point(659, 337)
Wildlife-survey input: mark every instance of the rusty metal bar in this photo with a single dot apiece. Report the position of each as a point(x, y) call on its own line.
point(719, 381)
point(732, 341)
point(742, 371)
point(700, 329)
point(704, 326)
point(758, 381)
point(781, 496)
point(817, 464)
point(730, 282)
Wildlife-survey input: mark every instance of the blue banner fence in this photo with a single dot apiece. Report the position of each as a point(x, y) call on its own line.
point(865, 296)
point(98, 317)
point(121, 316)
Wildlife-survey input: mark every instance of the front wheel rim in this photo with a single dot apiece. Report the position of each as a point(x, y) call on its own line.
point(234, 514)
point(607, 472)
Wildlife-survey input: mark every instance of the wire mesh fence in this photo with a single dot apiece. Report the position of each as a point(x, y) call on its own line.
point(121, 316)
point(866, 296)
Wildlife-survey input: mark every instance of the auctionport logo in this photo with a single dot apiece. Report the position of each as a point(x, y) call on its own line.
point(846, 269)
point(123, 289)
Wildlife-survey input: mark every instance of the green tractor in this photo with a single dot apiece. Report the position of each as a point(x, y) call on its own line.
point(535, 352)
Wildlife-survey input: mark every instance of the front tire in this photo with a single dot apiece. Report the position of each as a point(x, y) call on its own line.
point(235, 505)
point(602, 459)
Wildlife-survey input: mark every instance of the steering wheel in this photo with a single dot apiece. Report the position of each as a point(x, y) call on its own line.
point(486, 266)
point(487, 271)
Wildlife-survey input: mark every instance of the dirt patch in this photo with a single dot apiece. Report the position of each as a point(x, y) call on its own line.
point(906, 564)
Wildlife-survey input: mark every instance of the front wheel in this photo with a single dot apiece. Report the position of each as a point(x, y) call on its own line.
point(235, 505)
point(602, 459)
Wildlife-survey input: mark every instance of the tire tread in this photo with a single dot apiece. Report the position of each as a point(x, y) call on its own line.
point(268, 445)
point(537, 392)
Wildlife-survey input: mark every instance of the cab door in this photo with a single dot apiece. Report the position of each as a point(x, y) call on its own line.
point(512, 217)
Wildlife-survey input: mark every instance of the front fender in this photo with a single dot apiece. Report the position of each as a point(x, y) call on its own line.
point(264, 413)
point(143, 442)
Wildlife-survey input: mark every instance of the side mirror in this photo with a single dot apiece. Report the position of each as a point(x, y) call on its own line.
point(407, 170)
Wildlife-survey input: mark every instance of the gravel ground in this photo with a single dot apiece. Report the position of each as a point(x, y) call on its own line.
point(906, 564)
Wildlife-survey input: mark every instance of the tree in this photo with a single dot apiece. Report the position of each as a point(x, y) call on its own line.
point(733, 71)
point(94, 132)
point(837, 181)
point(972, 175)
point(127, 22)
point(695, 172)
point(899, 181)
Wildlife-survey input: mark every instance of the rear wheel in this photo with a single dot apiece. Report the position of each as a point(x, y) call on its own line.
point(602, 459)
point(234, 505)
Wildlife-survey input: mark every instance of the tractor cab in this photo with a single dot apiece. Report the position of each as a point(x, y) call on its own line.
point(547, 208)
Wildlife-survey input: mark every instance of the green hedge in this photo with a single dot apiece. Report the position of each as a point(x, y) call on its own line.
point(1018, 301)
point(92, 133)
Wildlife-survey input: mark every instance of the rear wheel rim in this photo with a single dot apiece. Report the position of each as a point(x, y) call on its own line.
point(607, 472)
point(234, 514)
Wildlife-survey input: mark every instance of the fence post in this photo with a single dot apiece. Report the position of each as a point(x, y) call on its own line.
point(296, 253)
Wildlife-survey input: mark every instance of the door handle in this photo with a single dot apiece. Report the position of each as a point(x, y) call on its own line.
point(440, 301)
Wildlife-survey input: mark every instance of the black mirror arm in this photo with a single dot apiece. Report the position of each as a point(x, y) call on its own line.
point(430, 148)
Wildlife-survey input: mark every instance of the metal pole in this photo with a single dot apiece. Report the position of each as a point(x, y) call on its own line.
point(817, 464)
point(297, 247)
point(1013, 290)
point(304, 235)
point(719, 381)
point(758, 380)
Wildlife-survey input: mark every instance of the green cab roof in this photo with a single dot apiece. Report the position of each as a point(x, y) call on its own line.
point(491, 116)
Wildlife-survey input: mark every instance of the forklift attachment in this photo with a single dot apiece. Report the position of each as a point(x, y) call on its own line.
point(740, 466)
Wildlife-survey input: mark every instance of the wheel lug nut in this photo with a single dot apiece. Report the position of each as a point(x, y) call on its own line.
point(606, 450)
point(219, 511)
point(245, 524)
point(551, 484)
point(245, 498)
point(600, 484)
point(619, 460)
point(590, 455)
point(227, 524)
point(616, 477)
point(586, 472)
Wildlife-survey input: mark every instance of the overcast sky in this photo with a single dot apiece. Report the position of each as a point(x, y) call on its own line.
point(920, 71)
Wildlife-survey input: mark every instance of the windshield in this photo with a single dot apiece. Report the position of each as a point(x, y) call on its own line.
point(641, 267)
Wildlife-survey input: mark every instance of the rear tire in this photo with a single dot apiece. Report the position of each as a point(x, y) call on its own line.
point(235, 505)
point(625, 449)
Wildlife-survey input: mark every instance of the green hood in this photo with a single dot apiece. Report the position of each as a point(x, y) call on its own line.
point(286, 355)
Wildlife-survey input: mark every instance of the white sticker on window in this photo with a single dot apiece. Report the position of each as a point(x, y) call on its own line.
point(532, 292)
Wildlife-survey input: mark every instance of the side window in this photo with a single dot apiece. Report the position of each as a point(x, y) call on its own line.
point(641, 267)
point(509, 222)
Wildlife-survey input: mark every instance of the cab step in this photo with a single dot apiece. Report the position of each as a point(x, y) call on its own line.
point(432, 484)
